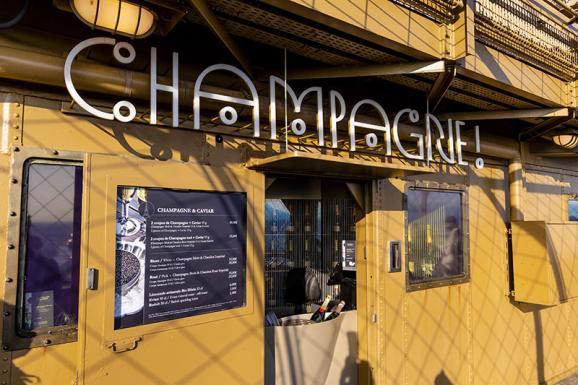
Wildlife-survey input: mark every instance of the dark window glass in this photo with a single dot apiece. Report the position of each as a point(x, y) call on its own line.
point(434, 235)
point(51, 239)
point(573, 209)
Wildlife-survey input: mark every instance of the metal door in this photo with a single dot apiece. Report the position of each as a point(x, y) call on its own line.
point(214, 343)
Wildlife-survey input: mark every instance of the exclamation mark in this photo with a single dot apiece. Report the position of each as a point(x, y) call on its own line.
point(479, 161)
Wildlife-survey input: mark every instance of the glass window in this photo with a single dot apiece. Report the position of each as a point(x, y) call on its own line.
point(435, 242)
point(48, 287)
point(573, 209)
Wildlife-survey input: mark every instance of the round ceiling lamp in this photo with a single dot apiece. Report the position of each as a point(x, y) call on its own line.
point(568, 140)
point(116, 16)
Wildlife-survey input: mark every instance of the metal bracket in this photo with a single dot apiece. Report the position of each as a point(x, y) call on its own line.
point(543, 128)
point(510, 114)
point(388, 69)
point(125, 345)
point(5, 367)
point(10, 126)
point(207, 14)
point(441, 86)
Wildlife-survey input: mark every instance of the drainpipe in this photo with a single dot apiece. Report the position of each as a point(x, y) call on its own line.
point(516, 185)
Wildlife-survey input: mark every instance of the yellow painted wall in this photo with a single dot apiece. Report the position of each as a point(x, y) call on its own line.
point(473, 333)
point(470, 333)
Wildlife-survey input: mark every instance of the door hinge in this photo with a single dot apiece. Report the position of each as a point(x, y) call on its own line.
point(124, 345)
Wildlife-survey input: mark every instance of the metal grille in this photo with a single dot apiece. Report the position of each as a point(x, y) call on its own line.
point(441, 11)
point(301, 233)
point(517, 29)
point(262, 25)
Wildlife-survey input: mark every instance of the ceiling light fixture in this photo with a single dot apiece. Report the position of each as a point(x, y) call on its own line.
point(116, 16)
point(568, 140)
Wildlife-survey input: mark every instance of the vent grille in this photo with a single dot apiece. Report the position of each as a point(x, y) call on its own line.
point(521, 31)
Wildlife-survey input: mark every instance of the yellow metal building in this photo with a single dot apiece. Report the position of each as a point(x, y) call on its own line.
point(101, 96)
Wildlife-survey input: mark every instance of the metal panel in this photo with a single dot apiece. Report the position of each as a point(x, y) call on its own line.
point(533, 277)
point(225, 347)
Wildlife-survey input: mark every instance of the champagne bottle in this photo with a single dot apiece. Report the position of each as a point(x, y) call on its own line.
point(335, 313)
point(320, 313)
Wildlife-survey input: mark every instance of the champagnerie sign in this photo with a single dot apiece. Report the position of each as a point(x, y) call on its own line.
point(178, 254)
point(447, 140)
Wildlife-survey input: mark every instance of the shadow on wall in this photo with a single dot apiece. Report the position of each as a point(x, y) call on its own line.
point(15, 375)
point(442, 379)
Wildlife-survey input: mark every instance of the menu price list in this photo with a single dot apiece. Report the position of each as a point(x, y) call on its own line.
point(196, 262)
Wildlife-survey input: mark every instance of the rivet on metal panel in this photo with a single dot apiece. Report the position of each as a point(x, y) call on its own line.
point(6, 313)
point(16, 149)
point(11, 247)
point(12, 213)
point(47, 342)
point(16, 126)
point(14, 180)
point(8, 280)
point(5, 347)
point(16, 138)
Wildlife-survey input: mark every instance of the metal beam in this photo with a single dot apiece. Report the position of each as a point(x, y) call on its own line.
point(547, 148)
point(210, 18)
point(510, 114)
point(441, 86)
point(542, 128)
point(369, 70)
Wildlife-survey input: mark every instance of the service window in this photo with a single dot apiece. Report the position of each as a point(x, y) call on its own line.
point(573, 209)
point(435, 237)
point(50, 249)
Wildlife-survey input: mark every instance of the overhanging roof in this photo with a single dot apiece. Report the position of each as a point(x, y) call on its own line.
point(314, 164)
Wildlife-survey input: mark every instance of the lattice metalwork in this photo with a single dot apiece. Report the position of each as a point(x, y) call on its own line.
point(516, 28)
point(442, 11)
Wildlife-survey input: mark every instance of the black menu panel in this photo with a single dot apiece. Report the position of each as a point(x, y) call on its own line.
point(179, 254)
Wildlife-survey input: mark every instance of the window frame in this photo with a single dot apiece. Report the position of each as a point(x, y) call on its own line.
point(439, 187)
point(13, 337)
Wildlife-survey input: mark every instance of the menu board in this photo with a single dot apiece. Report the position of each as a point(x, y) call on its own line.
point(348, 255)
point(178, 254)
